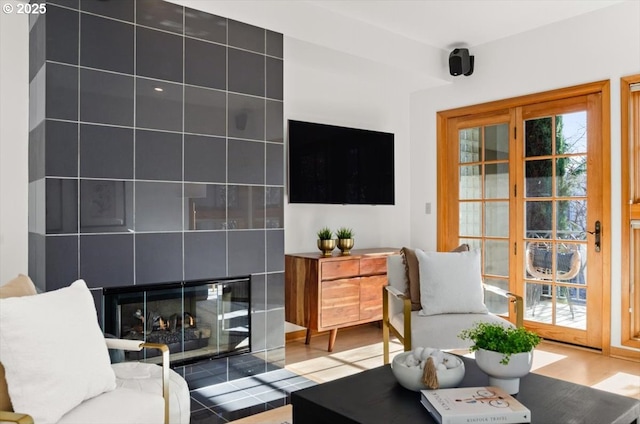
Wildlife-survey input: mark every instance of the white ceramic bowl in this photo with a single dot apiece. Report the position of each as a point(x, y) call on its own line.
point(411, 377)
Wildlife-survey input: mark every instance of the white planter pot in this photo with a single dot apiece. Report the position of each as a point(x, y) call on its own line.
point(507, 377)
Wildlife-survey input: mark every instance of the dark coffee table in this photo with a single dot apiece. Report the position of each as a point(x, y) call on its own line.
point(374, 396)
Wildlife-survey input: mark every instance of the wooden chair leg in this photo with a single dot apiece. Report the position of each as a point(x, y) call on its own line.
point(307, 338)
point(385, 343)
point(332, 339)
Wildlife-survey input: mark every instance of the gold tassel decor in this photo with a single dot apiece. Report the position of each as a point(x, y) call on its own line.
point(430, 374)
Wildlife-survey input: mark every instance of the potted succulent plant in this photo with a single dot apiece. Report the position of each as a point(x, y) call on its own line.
point(504, 353)
point(345, 240)
point(326, 242)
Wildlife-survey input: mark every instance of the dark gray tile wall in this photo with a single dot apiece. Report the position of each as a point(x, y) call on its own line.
point(156, 154)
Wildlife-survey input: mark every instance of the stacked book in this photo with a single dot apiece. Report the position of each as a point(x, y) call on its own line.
point(469, 405)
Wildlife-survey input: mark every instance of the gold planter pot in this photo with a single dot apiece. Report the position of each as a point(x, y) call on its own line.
point(326, 246)
point(345, 246)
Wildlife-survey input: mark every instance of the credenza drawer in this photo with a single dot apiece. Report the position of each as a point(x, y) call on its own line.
point(340, 269)
point(370, 266)
point(371, 296)
point(340, 301)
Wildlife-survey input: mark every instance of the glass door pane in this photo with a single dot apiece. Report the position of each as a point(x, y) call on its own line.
point(555, 222)
point(483, 205)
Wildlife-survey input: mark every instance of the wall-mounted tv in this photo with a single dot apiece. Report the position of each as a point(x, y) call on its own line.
point(339, 165)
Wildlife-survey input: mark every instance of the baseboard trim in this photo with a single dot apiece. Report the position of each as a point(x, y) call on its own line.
point(295, 335)
point(301, 334)
point(628, 354)
point(573, 346)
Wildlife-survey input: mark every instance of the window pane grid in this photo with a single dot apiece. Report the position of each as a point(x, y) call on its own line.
point(555, 219)
point(484, 191)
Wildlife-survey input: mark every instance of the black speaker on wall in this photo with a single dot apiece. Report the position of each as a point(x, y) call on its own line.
point(460, 62)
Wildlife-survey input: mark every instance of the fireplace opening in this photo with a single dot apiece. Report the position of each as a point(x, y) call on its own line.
point(196, 319)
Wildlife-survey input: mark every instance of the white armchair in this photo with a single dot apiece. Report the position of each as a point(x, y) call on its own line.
point(68, 379)
point(437, 330)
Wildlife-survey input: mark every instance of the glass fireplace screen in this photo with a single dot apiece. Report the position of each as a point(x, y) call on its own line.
point(196, 319)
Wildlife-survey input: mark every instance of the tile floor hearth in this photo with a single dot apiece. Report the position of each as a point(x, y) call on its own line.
point(216, 402)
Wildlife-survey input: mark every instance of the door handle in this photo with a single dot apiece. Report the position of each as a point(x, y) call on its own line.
point(597, 232)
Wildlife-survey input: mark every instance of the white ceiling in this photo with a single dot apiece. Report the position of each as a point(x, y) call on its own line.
point(460, 23)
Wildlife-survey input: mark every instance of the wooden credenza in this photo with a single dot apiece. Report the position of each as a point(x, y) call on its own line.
point(330, 292)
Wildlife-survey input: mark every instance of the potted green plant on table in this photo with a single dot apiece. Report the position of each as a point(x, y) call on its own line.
point(504, 353)
point(326, 243)
point(345, 240)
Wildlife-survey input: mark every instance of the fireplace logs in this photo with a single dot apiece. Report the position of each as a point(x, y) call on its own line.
point(185, 321)
point(179, 331)
point(156, 322)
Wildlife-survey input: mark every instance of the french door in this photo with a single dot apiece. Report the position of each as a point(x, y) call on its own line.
point(526, 185)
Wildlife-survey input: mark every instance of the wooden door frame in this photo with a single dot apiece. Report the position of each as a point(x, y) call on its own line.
point(628, 212)
point(447, 233)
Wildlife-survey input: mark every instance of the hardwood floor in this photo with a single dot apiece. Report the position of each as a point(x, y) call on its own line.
point(360, 348)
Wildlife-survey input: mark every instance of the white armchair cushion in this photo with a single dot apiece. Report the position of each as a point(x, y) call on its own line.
point(441, 331)
point(147, 378)
point(450, 283)
point(119, 406)
point(53, 351)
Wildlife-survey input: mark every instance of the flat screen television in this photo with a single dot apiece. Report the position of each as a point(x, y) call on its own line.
point(339, 165)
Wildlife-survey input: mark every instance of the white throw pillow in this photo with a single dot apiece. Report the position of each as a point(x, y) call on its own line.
point(450, 283)
point(53, 351)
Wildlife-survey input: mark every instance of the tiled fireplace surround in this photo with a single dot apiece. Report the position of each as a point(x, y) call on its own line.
point(156, 156)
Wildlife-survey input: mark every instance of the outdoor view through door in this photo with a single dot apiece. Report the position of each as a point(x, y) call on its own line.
point(555, 224)
point(530, 181)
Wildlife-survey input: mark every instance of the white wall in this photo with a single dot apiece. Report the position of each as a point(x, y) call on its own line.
point(596, 46)
point(358, 96)
point(14, 117)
